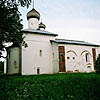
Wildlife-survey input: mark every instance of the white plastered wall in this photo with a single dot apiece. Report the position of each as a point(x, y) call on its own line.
point(55, 57)
point(78, 64)
point(33, 23)
point(31, 59)
point(13, 66)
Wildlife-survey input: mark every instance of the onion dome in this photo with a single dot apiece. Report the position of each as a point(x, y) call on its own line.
point(41, 25)
point(33, 14)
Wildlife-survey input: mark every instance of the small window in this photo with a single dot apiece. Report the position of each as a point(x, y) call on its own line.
point(89, 67)
point(73, 58)
point(76, 70)
point(38, 70)
point(87, 57)
point(53, 54)
point(15, 64)
point(40, 52)
point(68, 57)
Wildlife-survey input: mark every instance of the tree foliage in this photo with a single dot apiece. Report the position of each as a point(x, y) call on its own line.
point(97, 64)
point(10, 22)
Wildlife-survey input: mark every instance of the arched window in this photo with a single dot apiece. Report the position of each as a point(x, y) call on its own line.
point(40, 52)
point(38, 70)
point(87, 57)
point(72, 52)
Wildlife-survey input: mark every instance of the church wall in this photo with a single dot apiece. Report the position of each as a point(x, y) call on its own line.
point(38, 56)
point(13, 61)
point(75, 58)
point(55, 57)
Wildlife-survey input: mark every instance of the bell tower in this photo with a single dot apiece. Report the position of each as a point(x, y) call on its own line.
point(33, 17)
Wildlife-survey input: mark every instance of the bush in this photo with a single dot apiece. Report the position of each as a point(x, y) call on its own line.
point(1, 66)
point(97, 64)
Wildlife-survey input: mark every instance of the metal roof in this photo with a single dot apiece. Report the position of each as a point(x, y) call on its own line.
point(75, 42)
point(38, 32)
point(41, 25)
point(33, 14)
point(60, 41)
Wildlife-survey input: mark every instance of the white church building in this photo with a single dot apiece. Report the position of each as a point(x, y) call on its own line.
point(45, 54)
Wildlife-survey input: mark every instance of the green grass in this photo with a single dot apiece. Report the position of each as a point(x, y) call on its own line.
point(50, 87)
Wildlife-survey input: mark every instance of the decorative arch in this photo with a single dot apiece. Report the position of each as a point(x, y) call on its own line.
point(86, 51)
point(72, 52)
point(89, 64)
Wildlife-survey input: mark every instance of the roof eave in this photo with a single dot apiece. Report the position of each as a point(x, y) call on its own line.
point(40, 33)
point(79, 44)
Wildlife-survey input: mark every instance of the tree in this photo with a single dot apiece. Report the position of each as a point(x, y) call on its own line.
point(97, 64)
point(10, 22)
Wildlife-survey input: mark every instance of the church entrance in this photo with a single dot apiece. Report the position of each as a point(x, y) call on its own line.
point(61, 59)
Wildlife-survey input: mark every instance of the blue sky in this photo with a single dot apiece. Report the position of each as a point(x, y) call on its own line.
point(70, 19)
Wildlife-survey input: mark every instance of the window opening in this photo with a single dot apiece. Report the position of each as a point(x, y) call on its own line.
point(53, 54)
point(40, 52)
point(89, 66)
point(38, 70)
point(87, 57)
point(15, 64)
point(73, 58)
point(68, 57)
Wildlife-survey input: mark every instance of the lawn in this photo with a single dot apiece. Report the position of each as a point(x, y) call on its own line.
point(66, 86)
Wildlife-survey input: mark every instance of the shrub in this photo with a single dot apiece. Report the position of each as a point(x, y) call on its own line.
point(97, 64)
point(1, 66)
